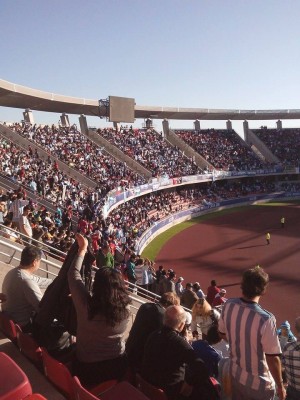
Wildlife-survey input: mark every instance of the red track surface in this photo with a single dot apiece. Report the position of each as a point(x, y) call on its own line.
point(223, 247)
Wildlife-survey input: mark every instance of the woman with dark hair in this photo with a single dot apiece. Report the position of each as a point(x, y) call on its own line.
point(102, 319)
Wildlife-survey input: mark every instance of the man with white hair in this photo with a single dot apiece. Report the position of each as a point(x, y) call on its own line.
point(170, 363)
point(291, 363)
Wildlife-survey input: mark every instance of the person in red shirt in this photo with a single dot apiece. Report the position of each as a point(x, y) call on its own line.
point(212, 291)
point(82, 225)
point(220, 298)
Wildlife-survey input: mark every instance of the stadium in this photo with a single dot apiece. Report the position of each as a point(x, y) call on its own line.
point(149, 251)
point(181, 176)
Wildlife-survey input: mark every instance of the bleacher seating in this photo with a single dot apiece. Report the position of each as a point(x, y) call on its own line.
point(14, 384)
point(222, 148)
point(122, 390)
point(283, 143)
point(152, 392)
point(8, 327)
point(61, 377)
point(30, 348)
point(151, 150)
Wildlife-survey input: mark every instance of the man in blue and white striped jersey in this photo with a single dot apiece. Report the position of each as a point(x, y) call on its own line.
point(254, 346)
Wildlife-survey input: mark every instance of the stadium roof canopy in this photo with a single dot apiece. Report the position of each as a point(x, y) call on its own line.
point(17, 96)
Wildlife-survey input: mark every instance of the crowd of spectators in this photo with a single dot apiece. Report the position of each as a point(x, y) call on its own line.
point(126, 223)
point(121, 229)
point(43, 178)
point(77, 151)
point(150, 149)
point(283, 143)
point(222, 148)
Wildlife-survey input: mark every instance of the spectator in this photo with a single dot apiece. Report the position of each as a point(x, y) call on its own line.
point(175, 367)
point(102, 320)
point(205, 351)
point(212, 291)
point(148, 319)
point(163, 283)
point(291, 360)
point(170, 285)
point(104, 257)
point(179, 287)
point(203, 317)
point(16, 208)
point(25, 224)
point(197, 289)
point(159, 273)
point(189, 297)
point(23, 289)
point(130, 269)
point(141, 274)
point(285, 334)
point(220, 298)
point(251, 334)
point(151, 275)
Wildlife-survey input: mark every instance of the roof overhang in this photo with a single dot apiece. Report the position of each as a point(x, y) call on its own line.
point(17, 96)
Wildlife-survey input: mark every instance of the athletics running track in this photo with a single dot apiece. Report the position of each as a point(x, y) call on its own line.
point(223, 247)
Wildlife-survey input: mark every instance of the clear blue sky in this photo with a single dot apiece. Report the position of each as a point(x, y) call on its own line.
point(188, 53)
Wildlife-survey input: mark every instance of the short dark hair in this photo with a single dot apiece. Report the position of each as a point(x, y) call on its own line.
point(30, 254)
point(213, 336)
point(254, 282)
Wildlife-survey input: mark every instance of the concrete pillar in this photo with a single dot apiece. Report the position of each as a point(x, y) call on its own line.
point(197, 125)
point(246, 127)
point(229, 125)
point(83, 125)
point(28, 116)
point(279, 124)
point(149, 123)
point(166, 127)
point(117, 126)
point(64, 120)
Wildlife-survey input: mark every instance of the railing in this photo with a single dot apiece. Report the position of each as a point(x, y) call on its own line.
point(119, 196)
point(10, 254)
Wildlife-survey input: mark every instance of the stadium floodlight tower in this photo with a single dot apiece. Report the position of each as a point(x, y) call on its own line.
point(117, 109)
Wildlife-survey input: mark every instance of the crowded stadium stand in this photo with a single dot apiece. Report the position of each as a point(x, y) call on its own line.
point(58, 182)
point(149, 148)
point(223, 149)
point(283, 143)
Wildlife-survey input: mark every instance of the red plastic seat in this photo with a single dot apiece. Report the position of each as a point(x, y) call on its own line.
point(152, 392)
point(30, 348)
point(35, 396)
point(14, 383)
point(61, 377)
point(58, 374)
point(120, 391)
point(8, 327)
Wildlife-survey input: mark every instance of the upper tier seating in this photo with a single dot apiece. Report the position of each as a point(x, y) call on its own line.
point(224, 149)
point(152, 151)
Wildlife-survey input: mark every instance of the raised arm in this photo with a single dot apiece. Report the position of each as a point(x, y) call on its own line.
point(76, 285)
